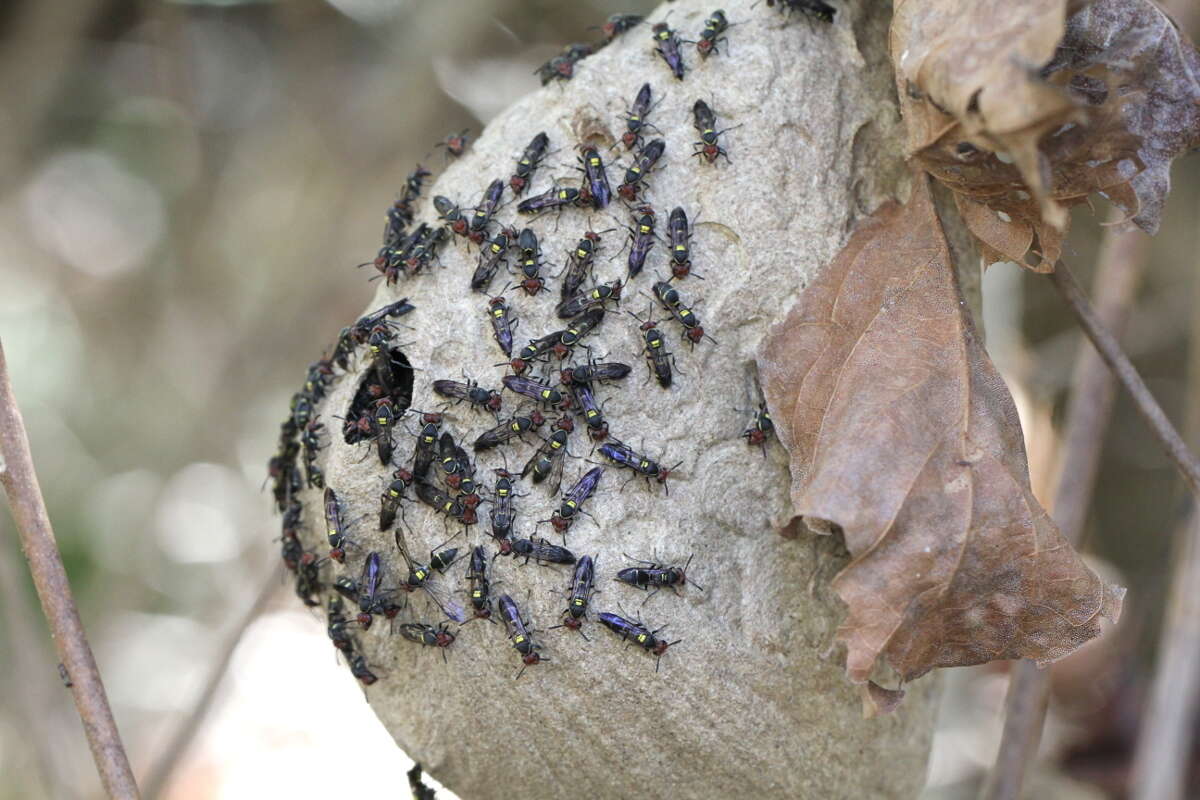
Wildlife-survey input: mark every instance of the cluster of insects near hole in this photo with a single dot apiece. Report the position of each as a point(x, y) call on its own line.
point(435, 467)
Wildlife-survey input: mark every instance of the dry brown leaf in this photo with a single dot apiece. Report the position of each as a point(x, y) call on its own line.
point(877, 700)
point(901, 432)
point(1027, 108)
point(1153, 69)
point(1000, 236)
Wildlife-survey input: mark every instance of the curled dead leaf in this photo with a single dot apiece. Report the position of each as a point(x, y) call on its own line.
point(877, 700)
point(1028, 108)
point(902, 433)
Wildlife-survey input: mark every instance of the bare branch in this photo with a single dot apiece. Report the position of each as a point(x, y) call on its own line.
point(50, 578)
point(1127, 375)
point(1024, 714)
point(1122, 262)
point(1164, 744)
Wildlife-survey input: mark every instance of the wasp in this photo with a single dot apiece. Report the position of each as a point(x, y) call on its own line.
point(423, 250)
point(426, 444)
point(574, 499)
point(577, 328)
point(643, 162)
point(658, 358)
point(529, 161)
point(438, 500)
point(652, 574)
point(381, 359)
point(410, 254)
point(623, 455)
point(580, 592)
point(470, 391)
point(428, 635)
point(579, 262)
point(617, 24)
point(356, 426)
point(338, 627)
point(456, 143)
point(481, 588)
point(510, 429)
point(519, 633)
point(595, 187)
point(362, 328)
point(455, 464)
point(504, 513)
point(451, 214)
point(283, 474)
point(308, 579)
point(370, 592)
point(548, 457)
point(291, 551)
point(418, 578)
point(531, 262)
point(586, 300)
point(541, 551)
point(635, 118)
point(290, 523)
point(343, 349)
point(641, 239)
point(302, 409)
point(335, 527)
point(714, 30)
point(320, 373)
point(490, 259)
point(541, 392)
point(666, 44)
point(400, 214)
point(705, 121)
point(638, 633)
point(310, 441)
point(553, 199)
point(671, 300)
point(761, 428)
point(418, 787)
point(398, 218)
point(504, 323)
point(482, 216)
point(562, 66)
point(537, 348)
point(360, 670)
point(389, 501)
point(592, 415)
point(680, 233)
point(347, 587)
point(442, 560)
point(586, 373)
point(382, 422)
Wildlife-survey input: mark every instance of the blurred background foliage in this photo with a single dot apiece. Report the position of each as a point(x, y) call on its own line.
point(187, 189)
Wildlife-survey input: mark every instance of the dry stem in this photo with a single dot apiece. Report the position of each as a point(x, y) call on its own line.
point(1121, 264)
point(50, 578)
point(1128, 376)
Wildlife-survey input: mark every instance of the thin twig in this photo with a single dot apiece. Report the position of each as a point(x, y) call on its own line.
point(1167, 731)
point(50, 579)
point(1024, 714)
point(159, 776)
point(1119, 271)
point(1128, 376)
point(1122, 261)
point(28, 653)
point(1164, 745)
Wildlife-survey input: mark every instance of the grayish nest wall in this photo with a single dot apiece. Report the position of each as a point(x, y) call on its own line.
point(750, 702)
